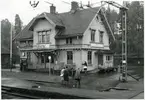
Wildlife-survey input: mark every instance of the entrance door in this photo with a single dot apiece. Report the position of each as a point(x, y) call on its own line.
point(100, 59)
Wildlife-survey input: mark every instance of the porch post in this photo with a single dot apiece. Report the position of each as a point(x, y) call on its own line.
point(44, 60)
point(49, 57)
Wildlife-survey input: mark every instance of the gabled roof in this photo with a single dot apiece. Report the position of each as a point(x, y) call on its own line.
point(77, 22)
point(26, 33)
point(71, 23)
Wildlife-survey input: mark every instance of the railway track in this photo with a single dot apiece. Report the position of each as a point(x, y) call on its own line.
point(34, 94)
point(8, 92)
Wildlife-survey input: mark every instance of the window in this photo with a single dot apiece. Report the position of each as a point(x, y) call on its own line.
point(108, 58)
point(69, 57)
point(39, 37)
point(47, 37)
point(43, 36)
point(68, 40)
point(101, 36)
point(93, 35)
point(89, 57)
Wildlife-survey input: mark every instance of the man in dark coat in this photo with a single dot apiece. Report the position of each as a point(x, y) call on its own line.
point(66, 76)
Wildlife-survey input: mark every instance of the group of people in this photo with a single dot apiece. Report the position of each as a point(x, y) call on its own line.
point(65, 77)
point(77, 76)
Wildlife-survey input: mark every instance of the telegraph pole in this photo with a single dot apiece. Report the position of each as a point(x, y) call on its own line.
point(123, 10)
point(11, 33)
point(124, 42)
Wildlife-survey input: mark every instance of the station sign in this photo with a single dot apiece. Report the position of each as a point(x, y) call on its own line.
point(41, 46)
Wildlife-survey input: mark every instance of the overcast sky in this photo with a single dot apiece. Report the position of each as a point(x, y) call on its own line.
point(9, 8)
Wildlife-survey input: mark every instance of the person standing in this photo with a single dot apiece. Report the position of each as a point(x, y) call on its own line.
point(85, 67)
point(66, 76)
point(62, 75)
point(78, 78)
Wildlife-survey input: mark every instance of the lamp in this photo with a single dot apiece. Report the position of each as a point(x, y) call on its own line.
point(49, 57)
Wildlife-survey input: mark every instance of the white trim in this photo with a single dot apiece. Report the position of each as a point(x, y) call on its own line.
point(45, 16)
point(105, 20)
point(49, 20)
point(92, 21)
point(109, 26)
point(94, 17)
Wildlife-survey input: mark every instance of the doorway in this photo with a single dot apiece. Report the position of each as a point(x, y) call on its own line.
point(100, 59)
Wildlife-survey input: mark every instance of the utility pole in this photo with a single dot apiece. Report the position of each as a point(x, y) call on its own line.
point(123, 10)
point(11, 33)
point(124, 42)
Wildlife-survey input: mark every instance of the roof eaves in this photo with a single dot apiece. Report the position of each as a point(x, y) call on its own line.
point(49, 20)
point(109, 27)
point(41, 16)
point(68, 35)
point(93, 18)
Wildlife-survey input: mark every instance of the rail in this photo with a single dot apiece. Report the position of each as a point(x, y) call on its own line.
point(9, 91)
point(38, 94)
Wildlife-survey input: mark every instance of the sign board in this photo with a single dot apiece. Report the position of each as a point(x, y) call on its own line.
point(41, 46)
point(96, 45)
point(124, 61)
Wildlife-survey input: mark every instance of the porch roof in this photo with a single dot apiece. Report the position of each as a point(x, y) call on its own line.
point(104, 52)
point(38, 50)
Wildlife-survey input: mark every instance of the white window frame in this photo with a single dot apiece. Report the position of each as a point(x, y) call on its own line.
point(43, 36)
point(89, 55)
point(101, 36)
point(93, 31)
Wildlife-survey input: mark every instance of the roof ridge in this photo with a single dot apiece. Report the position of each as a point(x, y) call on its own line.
point(70, 11)
point(71, 22)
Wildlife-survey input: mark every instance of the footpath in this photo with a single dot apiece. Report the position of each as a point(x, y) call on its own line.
point(25, 80)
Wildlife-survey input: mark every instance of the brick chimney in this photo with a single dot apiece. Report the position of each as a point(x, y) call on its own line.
point(52, 9)
point(74, 5)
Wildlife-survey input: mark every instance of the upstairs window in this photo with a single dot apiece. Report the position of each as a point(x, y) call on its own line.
point(89, 57)
point(68, 40)
point(47, 37)
point(93, 35)
point(39, 37)
point(101, 36)
point(44, 36)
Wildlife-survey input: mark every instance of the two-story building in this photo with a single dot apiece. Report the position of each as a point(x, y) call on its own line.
point(70, 38)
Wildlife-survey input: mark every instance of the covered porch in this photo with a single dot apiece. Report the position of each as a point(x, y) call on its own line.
point(104, 59)
point(42, 58)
